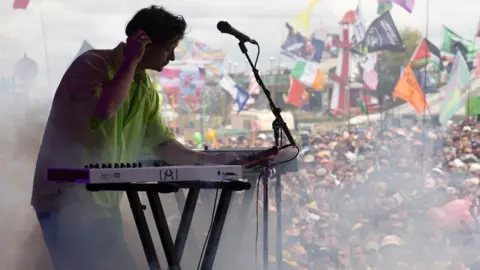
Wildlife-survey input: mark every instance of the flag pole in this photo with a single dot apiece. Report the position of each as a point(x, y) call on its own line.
point(423, 125)
point(45, 45)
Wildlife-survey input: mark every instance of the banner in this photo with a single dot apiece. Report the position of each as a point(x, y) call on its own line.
point(383, 35)
point(409, 90)
point(405, 4)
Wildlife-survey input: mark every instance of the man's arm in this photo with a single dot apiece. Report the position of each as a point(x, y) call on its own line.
point(116, 91)
point(175, 153)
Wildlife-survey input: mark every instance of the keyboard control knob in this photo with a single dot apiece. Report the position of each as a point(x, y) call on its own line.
point(116, 165)
point(86, 166)
point(129, 165)
point(109, 165)
point(139, 165)
point(134, 165)
point(104, 165)
point(122, 165)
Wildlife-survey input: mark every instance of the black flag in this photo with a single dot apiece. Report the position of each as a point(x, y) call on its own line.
point(382, 35)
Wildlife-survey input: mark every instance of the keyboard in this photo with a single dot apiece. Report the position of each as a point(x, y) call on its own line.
point(138, 173)
point(290, 166)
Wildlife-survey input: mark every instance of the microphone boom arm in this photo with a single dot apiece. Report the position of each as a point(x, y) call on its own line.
point(278, 123)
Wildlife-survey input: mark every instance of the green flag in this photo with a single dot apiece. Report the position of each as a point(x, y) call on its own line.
point(362, 106)
point(473, 106)
point(450, 39)
point(384, 7)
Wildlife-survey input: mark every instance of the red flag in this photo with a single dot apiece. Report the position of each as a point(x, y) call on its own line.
point(297, 94)
point(20, 4)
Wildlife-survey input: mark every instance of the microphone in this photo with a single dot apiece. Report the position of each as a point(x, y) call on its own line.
point(226, 28)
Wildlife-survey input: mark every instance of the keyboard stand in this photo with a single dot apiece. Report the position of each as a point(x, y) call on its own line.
point(174, 250)
point(239, 225)
point(239, 228)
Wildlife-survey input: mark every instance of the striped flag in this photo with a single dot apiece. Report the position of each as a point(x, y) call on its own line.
point(459, 80)
point(238, 94)
point(426, 53)
point(309, 74)
point(253, 87)
point(20, 4)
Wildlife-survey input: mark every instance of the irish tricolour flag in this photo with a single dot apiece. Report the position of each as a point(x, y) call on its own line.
point(309, 74)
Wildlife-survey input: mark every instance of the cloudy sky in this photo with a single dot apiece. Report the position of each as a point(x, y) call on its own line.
point(66, 23)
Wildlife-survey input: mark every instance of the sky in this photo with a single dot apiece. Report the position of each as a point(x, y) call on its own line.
point(66, 23)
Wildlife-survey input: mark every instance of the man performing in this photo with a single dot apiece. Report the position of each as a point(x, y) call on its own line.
point(105, 110)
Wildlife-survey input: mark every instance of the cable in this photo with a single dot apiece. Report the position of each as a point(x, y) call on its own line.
point(209, 230)
point(258, 55)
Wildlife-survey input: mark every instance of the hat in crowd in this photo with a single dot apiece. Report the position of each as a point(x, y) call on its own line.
point(321, 172)
point(392, 240)
point(474, 167)
point(467, 128)
point(372, 245)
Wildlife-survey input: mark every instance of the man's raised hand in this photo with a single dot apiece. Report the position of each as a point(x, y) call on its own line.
point(136, 45)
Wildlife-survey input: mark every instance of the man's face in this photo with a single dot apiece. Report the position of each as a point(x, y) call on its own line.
point(158, 56)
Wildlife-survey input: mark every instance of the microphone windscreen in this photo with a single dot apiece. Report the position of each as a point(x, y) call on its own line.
point(223, 26)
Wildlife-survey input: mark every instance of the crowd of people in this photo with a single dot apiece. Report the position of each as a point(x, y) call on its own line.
point(380, 198)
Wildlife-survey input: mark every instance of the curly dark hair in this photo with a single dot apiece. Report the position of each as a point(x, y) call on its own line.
point(162, 26)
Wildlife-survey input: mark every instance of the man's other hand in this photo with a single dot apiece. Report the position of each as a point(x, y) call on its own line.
point(225, 158)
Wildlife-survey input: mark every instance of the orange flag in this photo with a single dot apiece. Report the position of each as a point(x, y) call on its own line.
point(297, 94)
point(409, 90)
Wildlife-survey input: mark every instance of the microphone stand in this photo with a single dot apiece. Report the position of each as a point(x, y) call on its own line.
point(278, 125)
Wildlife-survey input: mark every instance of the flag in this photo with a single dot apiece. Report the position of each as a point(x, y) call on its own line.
point(297, 46)
point(382, 35)
point(239, 95)
point(428, 84)
point(193, 52)
point(183, 85)
point(301, 23)
point(426, 53)
point(309, 74)
point(362, 106)
point(473, 106)
point(253, 90)
point(384, 7)
point(253, 87)
point(453, 43)
point(409, 90)
point(455, 89)
point(367, 61)
point(20, 4)
point(405, 4)
point(297, 94)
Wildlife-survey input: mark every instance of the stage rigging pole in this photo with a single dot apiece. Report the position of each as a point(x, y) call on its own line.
point(45, 45)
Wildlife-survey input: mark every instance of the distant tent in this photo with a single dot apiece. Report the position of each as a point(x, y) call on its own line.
point(85, 47)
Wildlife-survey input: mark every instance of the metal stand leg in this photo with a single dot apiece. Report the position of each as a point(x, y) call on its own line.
point(278, 202)
point(163, 230)
point(265, 222)
point(216, 232)
point(143, 231)
point(193, 194)
point(186, 222)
